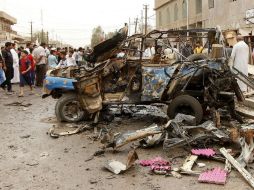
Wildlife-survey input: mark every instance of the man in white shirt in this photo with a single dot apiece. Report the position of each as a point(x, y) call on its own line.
point(15, 57)
point(40, 60)
point(28, 47)
point(63, 62)
point(240, 59)
point(70, 60)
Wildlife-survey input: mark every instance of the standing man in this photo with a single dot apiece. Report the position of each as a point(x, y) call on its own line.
point(8, 67)
point(15, 64)
point(240, 59)
point(253, 55)
point(28, 47)
point(40, 62)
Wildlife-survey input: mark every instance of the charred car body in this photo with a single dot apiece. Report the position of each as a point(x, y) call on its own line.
point(187, 85)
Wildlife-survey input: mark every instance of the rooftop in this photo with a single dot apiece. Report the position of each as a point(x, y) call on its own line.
point(8, 18)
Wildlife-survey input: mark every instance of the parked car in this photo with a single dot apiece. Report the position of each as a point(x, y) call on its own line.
point(187, 85)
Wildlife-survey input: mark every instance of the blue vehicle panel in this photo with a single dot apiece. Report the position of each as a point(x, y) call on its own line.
point(52, 83)
point(155, 80)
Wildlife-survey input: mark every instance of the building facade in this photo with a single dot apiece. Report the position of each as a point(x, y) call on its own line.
point(6, 32)
point(228, 14)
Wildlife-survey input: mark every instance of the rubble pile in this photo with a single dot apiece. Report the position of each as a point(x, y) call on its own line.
point(205, 141)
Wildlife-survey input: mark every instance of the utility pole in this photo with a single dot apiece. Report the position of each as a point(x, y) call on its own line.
point(31, 26)
point(42, 35)
point(142, 18)
point(129, 27)
point(187, 7)
point(146, 8)
point(47, 37)
point(136, 25)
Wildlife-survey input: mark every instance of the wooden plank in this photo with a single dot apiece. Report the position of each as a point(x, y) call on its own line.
point(188, 164)
point(247, 176)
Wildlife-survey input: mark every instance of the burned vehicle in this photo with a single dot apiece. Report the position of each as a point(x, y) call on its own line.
point(188, 85)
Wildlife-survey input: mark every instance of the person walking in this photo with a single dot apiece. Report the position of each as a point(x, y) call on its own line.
point(240, 59)
point(32, 71)
point(25, 74)
point(15, 64)
point(8, 67)
point(40, 63)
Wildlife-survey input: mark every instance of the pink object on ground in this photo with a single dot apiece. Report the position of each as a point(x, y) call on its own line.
point(160, 168)
point(156, 164)
point(216, 176)
point(156, 161)
point(203, 152)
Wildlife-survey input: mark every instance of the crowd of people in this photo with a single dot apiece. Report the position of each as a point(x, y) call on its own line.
point(28, 66)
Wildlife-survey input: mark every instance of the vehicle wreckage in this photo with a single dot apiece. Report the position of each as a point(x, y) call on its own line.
point(188, 85)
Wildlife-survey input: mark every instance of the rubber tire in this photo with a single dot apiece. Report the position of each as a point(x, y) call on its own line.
point(187, 100)
point(196, 57)
point(59, 108)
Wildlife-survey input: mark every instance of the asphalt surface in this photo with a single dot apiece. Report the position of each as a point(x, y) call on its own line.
point(31, 159)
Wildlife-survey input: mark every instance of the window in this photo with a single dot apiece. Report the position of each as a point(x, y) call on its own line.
point(168, 16)
point(211, 4)
point(160, 18)
point(176, 12)
point(184, 9)
point(198, 6)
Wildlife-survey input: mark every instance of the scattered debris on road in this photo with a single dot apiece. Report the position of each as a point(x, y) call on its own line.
point(117, 167)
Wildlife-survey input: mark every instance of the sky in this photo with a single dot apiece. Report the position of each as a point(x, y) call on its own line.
point(73, 21)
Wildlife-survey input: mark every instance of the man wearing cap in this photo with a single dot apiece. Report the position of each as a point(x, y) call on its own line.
point(40, 61)
point(240, 59)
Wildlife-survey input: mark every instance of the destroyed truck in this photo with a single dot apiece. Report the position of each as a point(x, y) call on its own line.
point(189, 85)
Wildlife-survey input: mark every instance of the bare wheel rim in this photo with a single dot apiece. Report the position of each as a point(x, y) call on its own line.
point(72, 110)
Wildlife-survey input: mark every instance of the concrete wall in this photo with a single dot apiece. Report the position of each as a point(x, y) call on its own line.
point(226, 13)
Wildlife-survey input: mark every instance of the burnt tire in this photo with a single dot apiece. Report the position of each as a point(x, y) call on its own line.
point(69, 101)
point(187, 105)
point(197, 57)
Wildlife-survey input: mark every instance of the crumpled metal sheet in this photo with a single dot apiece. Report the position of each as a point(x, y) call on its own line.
point(53, 133)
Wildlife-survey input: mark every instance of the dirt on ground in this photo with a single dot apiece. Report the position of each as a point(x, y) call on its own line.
point(31, 159)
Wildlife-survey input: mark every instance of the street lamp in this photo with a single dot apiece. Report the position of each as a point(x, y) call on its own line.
point(187, 7)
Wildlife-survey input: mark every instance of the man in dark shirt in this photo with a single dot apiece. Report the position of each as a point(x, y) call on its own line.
point(8, 67)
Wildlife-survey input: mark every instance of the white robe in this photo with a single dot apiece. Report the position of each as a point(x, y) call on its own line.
point(15, 66)
point(240, 58)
